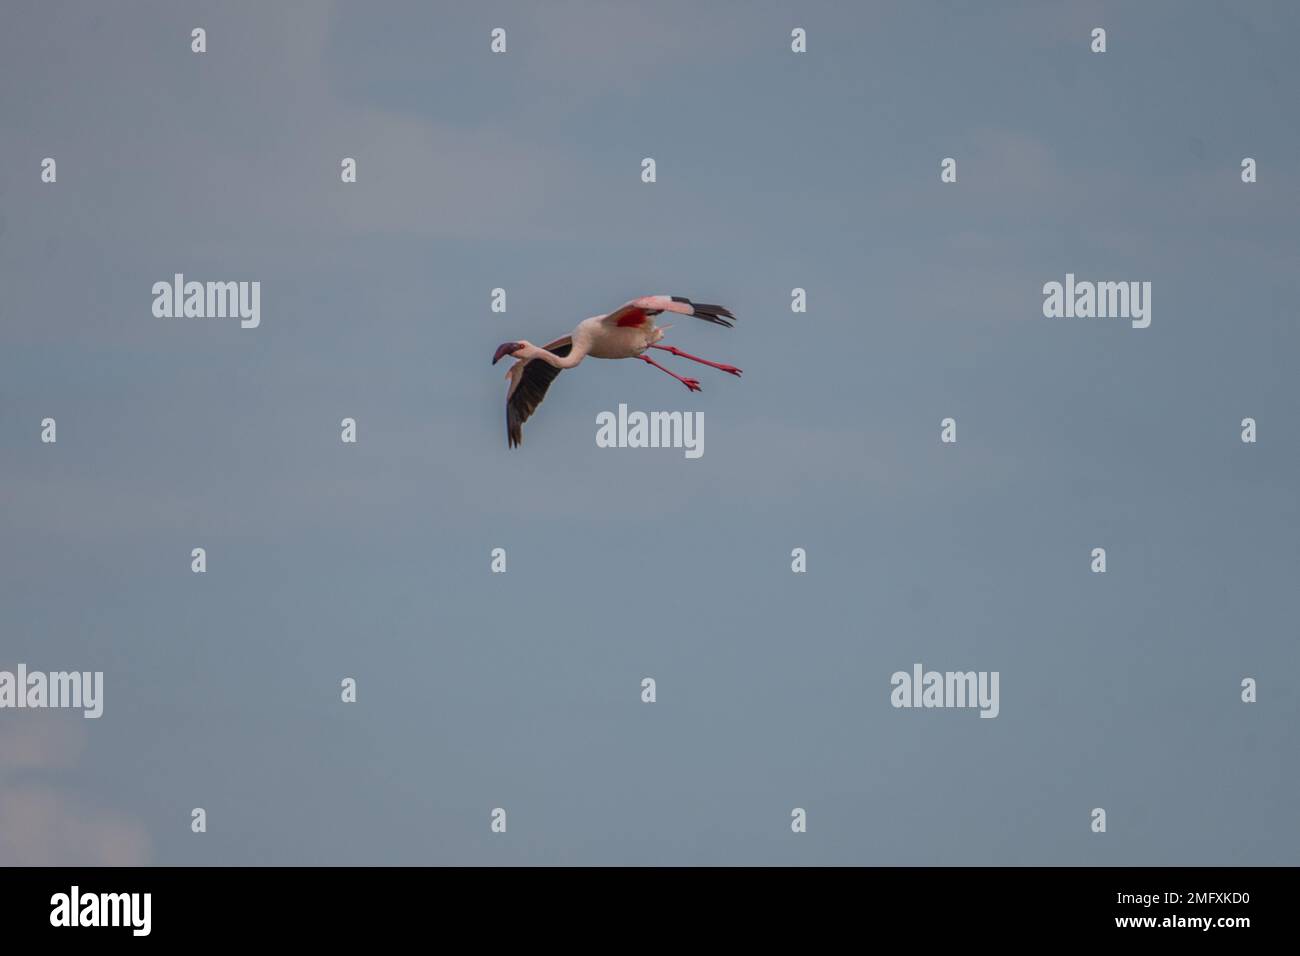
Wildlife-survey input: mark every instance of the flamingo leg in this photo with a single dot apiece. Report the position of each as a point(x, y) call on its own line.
point(690, 383)
point(695, 358)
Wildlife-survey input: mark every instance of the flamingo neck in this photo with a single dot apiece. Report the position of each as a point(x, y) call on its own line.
point(559, 361)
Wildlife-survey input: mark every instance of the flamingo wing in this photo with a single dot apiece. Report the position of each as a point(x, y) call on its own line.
point(637, 311)
point(528, 384)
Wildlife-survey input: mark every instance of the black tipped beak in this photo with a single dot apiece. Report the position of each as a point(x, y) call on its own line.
point(507, 348)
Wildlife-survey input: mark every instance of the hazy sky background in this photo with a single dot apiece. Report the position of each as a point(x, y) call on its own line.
point(522, 690)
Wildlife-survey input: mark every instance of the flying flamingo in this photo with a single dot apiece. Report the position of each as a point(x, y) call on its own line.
point(626, 332)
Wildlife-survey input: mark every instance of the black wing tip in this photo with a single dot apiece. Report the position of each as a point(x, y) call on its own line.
point(514, 429)
point(717, 314)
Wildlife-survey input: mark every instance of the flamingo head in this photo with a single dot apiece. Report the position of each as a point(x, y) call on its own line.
point(506, 348)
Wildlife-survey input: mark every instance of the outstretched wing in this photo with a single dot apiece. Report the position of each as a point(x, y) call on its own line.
point(528, 384)
point(638, 310)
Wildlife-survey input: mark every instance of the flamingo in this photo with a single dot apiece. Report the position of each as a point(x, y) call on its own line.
point(627, 332)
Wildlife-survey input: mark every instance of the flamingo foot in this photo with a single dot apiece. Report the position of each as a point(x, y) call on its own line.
point(692, 384)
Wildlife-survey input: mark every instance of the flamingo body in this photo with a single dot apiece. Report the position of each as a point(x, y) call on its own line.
point(621, 340)
point(627, 332)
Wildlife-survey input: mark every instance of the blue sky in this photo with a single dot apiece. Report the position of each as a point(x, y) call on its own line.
point(522, 690)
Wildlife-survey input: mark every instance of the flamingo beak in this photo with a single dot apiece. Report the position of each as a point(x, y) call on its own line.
point(506, 348)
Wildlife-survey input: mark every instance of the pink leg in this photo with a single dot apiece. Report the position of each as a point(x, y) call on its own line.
point(695, 358)
point(692, 384)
